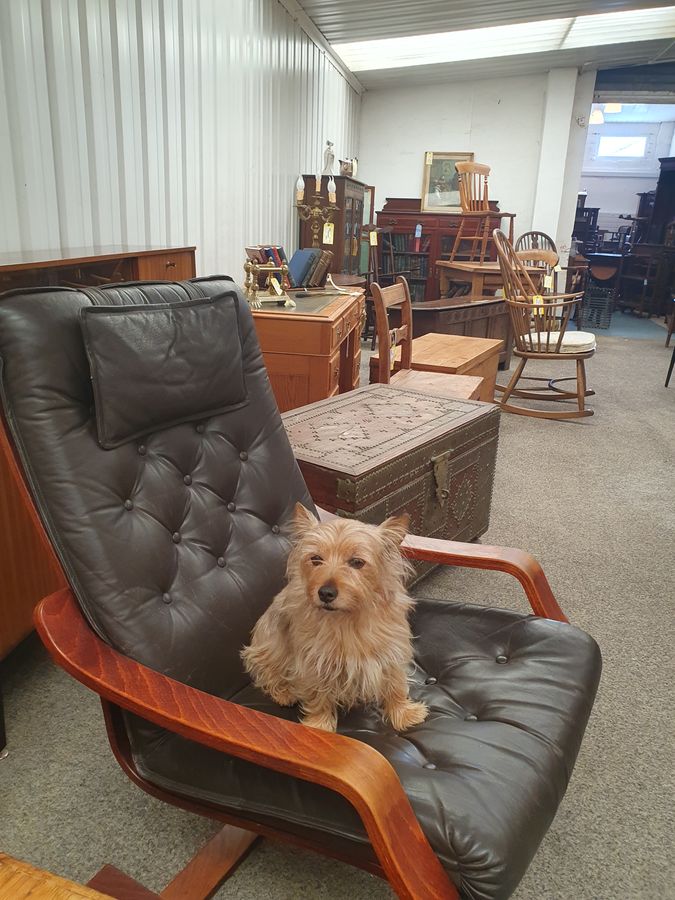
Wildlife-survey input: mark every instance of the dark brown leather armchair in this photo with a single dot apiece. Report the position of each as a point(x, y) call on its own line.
point(173, 542)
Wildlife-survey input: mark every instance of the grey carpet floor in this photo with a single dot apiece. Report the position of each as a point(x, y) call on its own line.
point(593, 500)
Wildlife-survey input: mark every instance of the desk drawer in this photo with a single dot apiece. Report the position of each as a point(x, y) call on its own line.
point(168, 266)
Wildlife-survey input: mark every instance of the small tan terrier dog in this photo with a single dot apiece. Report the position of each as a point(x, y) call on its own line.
point(338, 635)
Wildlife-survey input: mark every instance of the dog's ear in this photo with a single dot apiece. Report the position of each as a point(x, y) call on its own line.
point(394, 529)
point(303, 520)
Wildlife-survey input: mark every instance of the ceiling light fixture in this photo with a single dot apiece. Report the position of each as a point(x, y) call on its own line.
point(509, 40)
point(613, 107)
point(596, 117)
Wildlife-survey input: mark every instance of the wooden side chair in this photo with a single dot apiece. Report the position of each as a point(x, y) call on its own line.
point(169, 511)
point(379, 252)
point(535, 240)
point(429, 381)
point(473, 234)
point(540, 333)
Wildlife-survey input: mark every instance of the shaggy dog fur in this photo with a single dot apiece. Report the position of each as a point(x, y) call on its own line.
point(338, 635)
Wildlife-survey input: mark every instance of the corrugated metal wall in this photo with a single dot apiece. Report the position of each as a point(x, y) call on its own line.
point(161, 122)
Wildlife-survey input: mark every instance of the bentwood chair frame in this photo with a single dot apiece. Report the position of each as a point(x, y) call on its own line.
point(473, 196)
point(539, 329)
point(535, 240)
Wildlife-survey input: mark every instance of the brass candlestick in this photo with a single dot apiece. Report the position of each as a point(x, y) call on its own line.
point(315, 213)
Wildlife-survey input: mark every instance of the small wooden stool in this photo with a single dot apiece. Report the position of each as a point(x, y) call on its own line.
point(452, 354)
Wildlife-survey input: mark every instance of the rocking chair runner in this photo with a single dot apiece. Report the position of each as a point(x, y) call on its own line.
point(540, 332)
point(174, 541)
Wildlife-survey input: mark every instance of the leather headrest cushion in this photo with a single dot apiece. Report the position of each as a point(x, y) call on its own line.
point(157, 365)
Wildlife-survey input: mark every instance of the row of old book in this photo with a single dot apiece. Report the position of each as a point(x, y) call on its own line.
point(307, 267)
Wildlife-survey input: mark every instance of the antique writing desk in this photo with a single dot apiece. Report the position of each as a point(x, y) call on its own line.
point(95, 265)
point(312, 351)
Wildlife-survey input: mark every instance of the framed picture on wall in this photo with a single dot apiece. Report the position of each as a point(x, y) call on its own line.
point(440, 190)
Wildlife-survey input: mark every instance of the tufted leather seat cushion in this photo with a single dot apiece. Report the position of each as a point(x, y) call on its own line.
point(175, 543)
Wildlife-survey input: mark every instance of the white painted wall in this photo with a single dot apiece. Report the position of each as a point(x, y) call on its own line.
point(161, 122)
point(500, 121)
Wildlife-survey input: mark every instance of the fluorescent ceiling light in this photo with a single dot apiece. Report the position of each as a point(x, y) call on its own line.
point(613, 107)
point(596, 117)
point(509, 40)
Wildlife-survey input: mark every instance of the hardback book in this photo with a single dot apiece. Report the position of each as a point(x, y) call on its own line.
point(301, 264)
point(322, 267)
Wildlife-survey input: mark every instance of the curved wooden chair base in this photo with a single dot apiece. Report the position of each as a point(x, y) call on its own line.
point(558, 393)
point(545, 413)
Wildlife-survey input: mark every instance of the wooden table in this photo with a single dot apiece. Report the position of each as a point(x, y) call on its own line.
point(486, 317)
point(313, 351)
point(484, 277)
point(95, 265)
point(454, 355)
point(20, 881)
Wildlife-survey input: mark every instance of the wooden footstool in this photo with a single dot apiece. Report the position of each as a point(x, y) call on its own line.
point(452, 354)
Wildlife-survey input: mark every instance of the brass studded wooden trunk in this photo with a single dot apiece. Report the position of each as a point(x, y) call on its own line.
point(378, 451)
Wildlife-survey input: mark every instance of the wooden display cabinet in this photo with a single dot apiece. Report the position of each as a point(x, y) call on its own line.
point(347, 219)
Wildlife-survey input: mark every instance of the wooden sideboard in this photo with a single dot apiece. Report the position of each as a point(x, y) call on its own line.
point(95, 265)
point(313, 351)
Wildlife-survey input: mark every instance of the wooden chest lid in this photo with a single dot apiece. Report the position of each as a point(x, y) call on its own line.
point(360, 431)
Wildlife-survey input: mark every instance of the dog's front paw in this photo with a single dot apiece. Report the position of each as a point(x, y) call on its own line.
point(326, 722)
point(407, 714)
point(282, 696)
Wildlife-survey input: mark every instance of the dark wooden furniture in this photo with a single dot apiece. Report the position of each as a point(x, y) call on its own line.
point(663, 211)
point(439, 455)
point(585, 228)
point(450, 354)
point(484, 317)
point(312, 351)
point(347, 219)
point(95, 265)
point(540, 332)
point(240, 506)
point(437, 236)
point(397, 297)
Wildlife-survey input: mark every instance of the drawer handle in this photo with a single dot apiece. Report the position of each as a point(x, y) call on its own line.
point(171, 265)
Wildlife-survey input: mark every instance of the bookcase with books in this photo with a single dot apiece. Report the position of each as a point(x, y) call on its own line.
point(419, 239)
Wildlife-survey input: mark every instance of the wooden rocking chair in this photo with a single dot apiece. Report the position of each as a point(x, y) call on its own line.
point(540, 332)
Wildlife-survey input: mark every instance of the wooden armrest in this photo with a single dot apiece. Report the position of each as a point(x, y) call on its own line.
point(351, 768)
point(518, 563)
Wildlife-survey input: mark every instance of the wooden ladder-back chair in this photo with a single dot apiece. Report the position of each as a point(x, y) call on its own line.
point(540, 332)
point(398, 295)
point(474, 228)
point(170, 513)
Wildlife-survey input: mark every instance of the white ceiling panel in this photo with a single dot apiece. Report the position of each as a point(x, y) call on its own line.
point(355, 21)
point(342, 21)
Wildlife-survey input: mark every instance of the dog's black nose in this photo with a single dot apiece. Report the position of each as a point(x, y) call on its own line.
point(327, 593)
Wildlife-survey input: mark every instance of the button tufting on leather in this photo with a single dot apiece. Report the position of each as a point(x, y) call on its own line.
point(199, 429)
point(221, 562)
point(430, 680)
point(275, 529)
point(243, 455)
point(187, 479)
point(166, 598)
point(141, 449)
point(471, 718)
point(501, 659)
point(175, 537)
point(231, 506)
point(429, 766)
point(128, 504)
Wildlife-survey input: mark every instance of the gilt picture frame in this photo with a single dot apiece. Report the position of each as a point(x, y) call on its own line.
point(440, 189)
